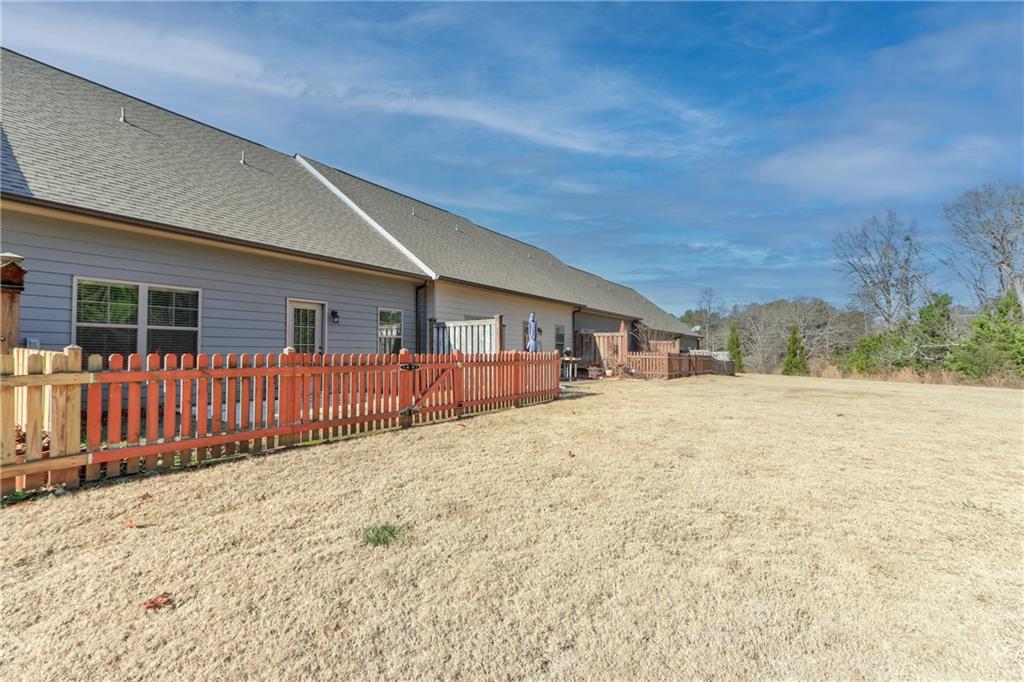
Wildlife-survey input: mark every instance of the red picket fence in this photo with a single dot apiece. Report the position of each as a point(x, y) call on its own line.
point(160, 412)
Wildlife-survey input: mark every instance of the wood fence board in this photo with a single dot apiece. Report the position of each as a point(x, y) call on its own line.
point(221, 405)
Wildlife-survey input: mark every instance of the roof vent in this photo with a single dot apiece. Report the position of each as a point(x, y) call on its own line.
point(243, 158)
point(121, 118)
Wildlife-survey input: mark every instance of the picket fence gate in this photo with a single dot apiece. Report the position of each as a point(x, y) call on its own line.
point(157, 412)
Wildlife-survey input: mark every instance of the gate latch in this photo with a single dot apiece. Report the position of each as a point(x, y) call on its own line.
point(409, 366)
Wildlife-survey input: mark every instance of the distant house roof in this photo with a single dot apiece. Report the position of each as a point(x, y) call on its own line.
point(64, 142)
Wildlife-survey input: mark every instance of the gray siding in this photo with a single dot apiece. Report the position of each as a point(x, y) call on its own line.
point(589, 322)
point(244, 296)
point(459, 302)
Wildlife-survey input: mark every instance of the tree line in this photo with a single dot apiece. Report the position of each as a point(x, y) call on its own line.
point(899, 317)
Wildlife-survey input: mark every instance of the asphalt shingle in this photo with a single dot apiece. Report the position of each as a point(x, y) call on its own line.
point(63, 141)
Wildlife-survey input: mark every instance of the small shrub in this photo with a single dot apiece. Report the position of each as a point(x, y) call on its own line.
point(381, 535)
point(734, 348)
point(826, 370)
point(795, 362)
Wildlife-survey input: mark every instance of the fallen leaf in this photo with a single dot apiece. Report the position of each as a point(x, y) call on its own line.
point(158, 602)
point(144, 496)
point(130, 524)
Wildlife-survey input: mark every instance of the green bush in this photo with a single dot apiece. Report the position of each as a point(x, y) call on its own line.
point(996, 344)
point(796, 357)
point(734, 348)
point(922, 344)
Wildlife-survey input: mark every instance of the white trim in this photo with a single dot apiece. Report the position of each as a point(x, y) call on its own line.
point(142, 325)
point(289, 328)
point(365, 216)
point(401, 326)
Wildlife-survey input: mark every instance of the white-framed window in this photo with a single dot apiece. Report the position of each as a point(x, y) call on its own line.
point(389, 330)
point(112, 316)
point(560, 337)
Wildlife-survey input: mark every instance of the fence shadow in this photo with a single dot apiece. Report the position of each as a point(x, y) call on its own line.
point(572, 391)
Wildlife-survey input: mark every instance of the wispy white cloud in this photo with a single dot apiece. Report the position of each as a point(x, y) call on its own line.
point(870, 167)
point(559, 104)
point(135, 44)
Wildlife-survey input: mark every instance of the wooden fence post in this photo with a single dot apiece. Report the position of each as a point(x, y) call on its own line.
point(8, 443)
point(458, 383)
point(12, 283)
point(286, 395)
point(518, 370)
point(65, 416)
point(94, 423)
point(431, 326)
point(499, 333)
point(623, 344)
point(405, 388)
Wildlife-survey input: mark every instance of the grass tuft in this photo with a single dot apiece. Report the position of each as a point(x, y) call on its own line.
point(381, 535)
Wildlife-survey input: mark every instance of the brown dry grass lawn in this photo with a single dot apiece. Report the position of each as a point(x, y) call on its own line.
point(714, 527)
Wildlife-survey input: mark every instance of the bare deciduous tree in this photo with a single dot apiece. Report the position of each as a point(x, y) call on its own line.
point(883, 262)
point(988, 223)
point(764, 328)
point(711, 311)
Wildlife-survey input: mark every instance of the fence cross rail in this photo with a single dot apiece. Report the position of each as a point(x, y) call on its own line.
point(156, 412)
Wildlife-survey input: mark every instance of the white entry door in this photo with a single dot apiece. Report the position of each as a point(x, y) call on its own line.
point(306, 326)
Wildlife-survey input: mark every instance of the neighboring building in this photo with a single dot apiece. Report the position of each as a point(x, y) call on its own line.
point(146, 231)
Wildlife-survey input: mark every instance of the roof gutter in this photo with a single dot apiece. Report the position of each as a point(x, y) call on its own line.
point(127, 222)
point(365, 216)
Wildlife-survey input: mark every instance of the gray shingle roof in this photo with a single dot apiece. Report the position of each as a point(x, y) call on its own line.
point(63, 142)
point(457, 248)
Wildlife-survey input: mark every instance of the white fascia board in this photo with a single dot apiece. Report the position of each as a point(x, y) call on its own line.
point(365, 216)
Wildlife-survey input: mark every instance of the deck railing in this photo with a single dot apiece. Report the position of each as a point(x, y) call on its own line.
point(60, 425)
point(674, 365)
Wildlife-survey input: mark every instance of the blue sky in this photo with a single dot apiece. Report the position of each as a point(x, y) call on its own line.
point(667, 146)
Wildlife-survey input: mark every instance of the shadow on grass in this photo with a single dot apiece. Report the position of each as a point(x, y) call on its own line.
point(20, 497)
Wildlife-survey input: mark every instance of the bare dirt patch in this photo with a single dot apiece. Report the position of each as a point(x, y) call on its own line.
point(712, 527)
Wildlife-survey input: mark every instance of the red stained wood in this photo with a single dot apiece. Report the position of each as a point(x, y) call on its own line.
point(262, 401)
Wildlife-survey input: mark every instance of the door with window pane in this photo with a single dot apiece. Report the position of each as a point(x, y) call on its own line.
point(305, 327)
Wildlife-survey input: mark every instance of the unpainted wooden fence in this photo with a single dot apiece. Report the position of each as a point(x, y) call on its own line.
point(468, 336)
point(157, 412)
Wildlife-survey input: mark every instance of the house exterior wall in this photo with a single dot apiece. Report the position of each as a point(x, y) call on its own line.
point(592, 322)
point(243, 300)
point(459, 302)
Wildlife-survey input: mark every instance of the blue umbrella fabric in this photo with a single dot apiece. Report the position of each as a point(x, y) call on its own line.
point(531, 334)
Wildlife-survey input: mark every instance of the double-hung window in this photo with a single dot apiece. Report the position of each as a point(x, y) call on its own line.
point(389, 330)
point(124, 317)
point(560, 337)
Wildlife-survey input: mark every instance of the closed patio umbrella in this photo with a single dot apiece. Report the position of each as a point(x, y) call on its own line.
point(531, 334)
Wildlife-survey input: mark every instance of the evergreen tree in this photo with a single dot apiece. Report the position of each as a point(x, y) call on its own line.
point(733, 346)
point(796, 357)
point(996, 344)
